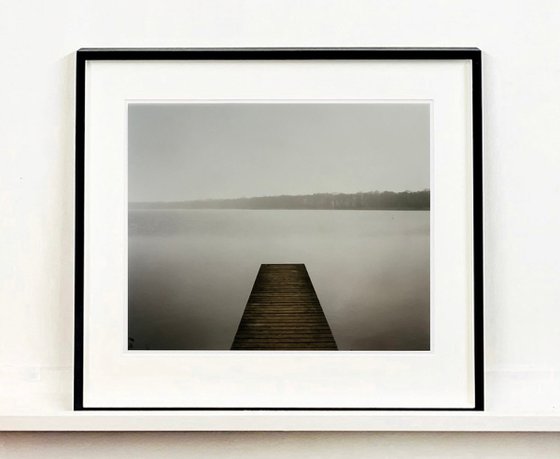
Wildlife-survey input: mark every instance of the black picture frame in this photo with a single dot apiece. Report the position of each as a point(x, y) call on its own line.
point(126, 54)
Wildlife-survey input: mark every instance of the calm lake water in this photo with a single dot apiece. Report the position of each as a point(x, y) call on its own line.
point(191, 273)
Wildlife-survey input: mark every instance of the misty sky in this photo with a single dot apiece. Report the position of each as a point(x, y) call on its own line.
point(192, 151)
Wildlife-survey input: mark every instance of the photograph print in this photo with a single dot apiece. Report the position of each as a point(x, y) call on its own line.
point(279, 226)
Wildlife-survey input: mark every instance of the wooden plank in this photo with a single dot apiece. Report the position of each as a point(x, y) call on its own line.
point(283, 313)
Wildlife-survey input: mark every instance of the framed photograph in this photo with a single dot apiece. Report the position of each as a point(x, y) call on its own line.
point(278, 229)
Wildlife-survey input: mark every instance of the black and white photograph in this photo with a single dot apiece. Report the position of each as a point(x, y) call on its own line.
point(279, 226)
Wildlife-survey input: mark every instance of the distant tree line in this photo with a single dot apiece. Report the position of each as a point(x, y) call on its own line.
point(373, 200)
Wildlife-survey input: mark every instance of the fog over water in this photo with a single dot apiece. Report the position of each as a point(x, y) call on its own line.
point(191, 271)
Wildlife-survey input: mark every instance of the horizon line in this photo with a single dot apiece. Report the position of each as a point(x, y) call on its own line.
point(333, 193)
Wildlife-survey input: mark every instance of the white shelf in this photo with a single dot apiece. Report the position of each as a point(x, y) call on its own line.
point(280, 421)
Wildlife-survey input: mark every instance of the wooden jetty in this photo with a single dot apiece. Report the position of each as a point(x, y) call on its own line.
point(283, 313)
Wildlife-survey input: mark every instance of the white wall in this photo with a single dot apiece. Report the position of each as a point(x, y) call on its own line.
point(521, 42)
